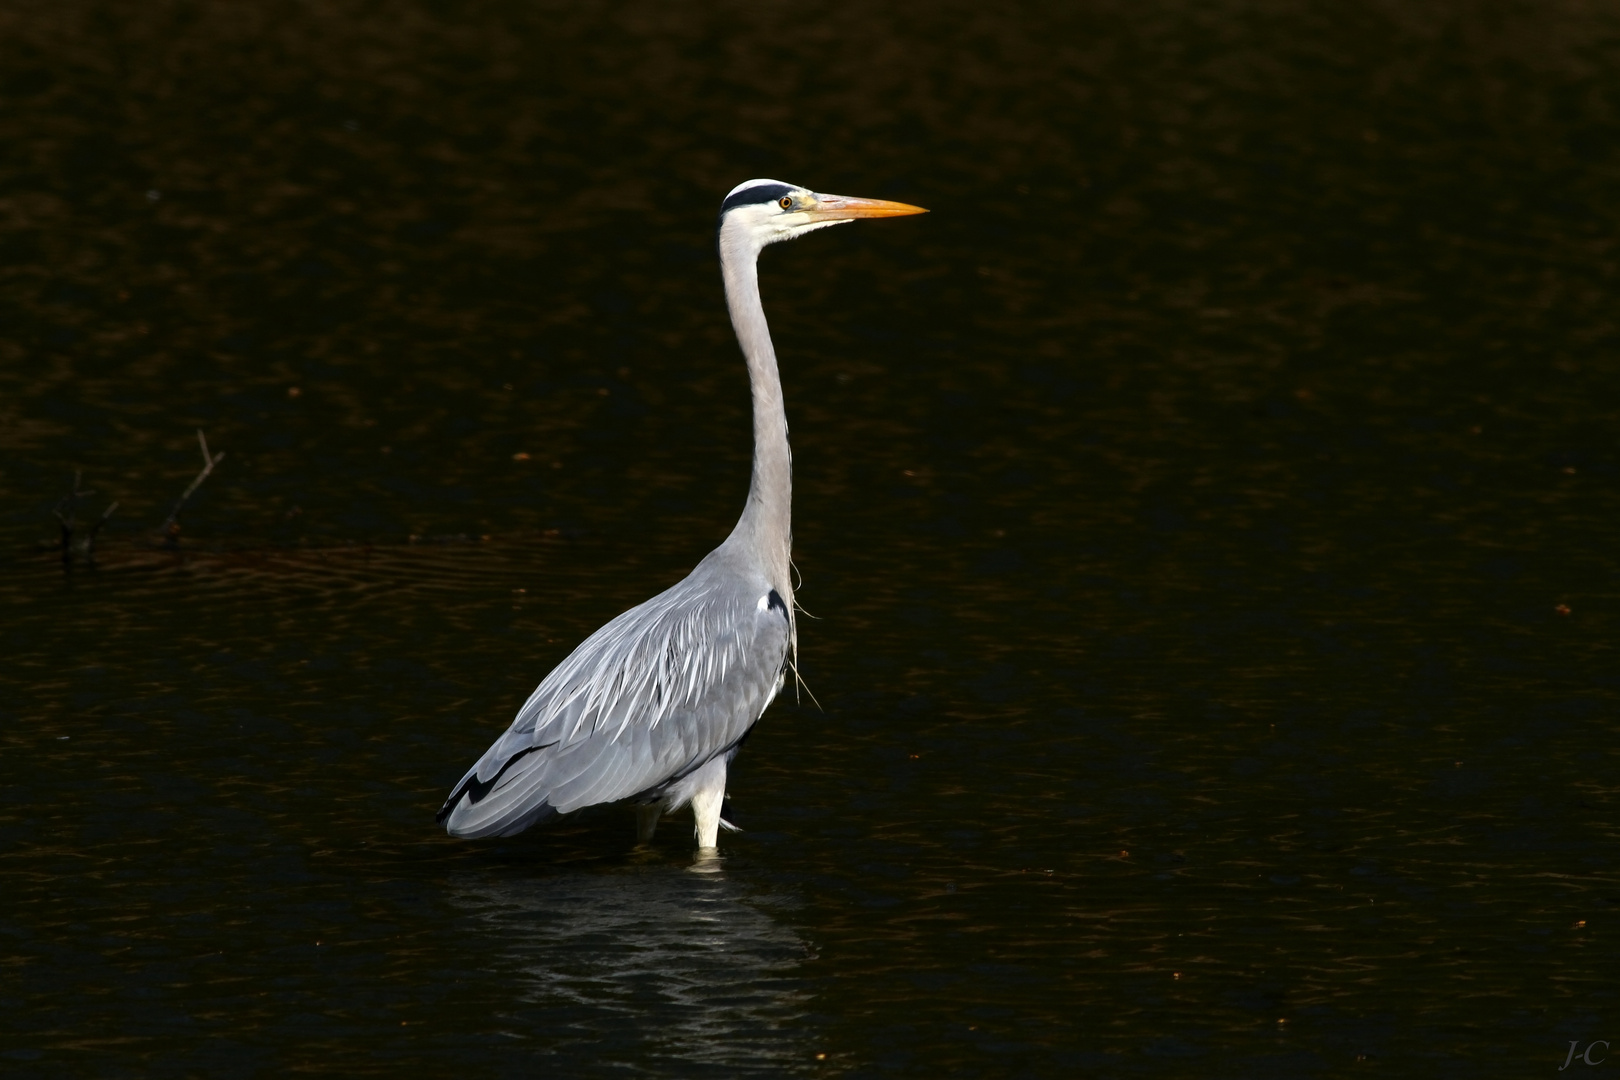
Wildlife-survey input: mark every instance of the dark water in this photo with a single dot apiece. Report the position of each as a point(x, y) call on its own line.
point(1210, 510)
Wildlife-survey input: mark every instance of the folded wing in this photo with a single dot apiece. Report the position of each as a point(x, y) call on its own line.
point(647, 699)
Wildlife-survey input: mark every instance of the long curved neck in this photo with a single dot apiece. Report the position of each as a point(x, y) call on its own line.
point(766, 525)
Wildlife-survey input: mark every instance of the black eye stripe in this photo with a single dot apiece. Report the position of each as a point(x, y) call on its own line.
point(753, 196)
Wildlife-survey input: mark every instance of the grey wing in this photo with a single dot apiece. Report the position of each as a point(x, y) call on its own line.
point(648, 698)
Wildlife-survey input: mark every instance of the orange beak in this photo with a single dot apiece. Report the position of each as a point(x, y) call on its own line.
point(847, 207)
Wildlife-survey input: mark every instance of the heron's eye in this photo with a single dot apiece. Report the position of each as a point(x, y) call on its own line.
point(786, 202)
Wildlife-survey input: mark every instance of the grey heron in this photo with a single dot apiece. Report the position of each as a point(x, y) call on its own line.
point(653, 706)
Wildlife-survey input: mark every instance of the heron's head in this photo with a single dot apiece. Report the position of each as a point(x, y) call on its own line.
point(761, 212)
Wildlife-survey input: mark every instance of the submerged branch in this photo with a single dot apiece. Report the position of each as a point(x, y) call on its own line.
point(66, 513)
point(70, 504)
point(169, 529)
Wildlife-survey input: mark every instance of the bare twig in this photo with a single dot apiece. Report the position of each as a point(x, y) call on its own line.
point(67, 521)
point(168, 528)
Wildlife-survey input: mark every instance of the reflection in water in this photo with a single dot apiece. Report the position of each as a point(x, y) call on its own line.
point(675, 966)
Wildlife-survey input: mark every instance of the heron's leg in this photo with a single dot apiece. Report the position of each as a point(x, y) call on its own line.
point(706, 800)
point(647, 815)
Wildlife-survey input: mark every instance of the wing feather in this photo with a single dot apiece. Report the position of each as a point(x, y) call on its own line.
point(652, 695)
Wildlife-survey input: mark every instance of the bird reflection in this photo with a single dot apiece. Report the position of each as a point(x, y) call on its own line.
point(649, 964)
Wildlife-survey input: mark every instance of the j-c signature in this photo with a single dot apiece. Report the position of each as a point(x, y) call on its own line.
point(1586, 1055)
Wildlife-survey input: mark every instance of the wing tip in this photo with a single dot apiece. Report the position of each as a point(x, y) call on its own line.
point(454, 814)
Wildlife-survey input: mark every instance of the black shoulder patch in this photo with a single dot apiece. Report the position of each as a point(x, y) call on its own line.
point(774, 602)
point(753, 196)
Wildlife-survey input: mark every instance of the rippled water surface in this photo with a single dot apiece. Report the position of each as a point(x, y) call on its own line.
point(1209, 512)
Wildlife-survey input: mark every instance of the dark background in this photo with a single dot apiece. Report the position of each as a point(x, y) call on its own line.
point(1210, 511)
